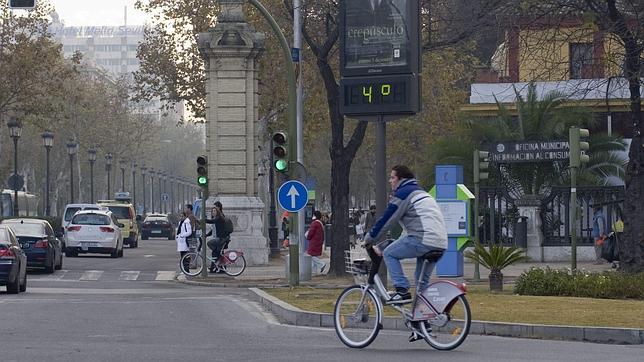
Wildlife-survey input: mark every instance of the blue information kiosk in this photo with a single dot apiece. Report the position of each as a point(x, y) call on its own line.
point(454, 200)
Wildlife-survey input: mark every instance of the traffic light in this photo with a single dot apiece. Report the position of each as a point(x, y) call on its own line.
point(481, 164)
point(22, 4)
point(280, 147)
point(202, 170)
point(578, 147)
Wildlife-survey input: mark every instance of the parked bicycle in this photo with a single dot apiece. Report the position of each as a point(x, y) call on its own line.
point(230, 262)
point(439, 313)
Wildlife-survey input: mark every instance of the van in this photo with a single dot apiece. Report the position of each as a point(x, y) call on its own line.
point(125, 214)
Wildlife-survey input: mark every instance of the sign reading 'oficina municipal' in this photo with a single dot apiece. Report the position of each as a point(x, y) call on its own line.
point(529, 151)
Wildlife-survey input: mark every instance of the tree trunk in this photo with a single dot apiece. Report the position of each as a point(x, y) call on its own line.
point(496, 281)
point(632, 244)
point(341, 158)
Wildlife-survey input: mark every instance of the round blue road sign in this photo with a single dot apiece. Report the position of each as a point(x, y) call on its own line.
point(292, 196)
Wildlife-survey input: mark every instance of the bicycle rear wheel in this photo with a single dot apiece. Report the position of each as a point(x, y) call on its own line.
point(235, 267)
point(357, 319)
point(448, 333)
point(191, 264)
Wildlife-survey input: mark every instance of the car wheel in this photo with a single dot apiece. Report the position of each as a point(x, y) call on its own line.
point(50, 268)
point(144, 237)
point(121, 252)
point(115, 253)
point(23, 286)
point(14, 288)
point(71, 253)
point(170, 237)
point(59, 266)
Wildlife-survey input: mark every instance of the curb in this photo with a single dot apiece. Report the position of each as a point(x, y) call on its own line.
point(295, 316)
point(180, 278)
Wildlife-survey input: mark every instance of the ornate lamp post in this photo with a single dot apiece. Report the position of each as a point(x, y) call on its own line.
point(134, 184)
point(15, 131)
point(143, 169)
point(122, 165)
point(72, 149)
point(152, 189)
point(91, 156)
point(48, 142)
point(108, 167)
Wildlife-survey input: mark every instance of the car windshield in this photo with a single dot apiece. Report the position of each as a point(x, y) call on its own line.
point(91, 219)
point(70, 212)
point(27, 228)
point(121, 212)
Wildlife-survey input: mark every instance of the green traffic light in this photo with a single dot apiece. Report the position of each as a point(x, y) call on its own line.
point(281, 165)
point(202, 180)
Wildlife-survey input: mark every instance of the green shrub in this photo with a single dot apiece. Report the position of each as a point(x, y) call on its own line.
point(552, 282)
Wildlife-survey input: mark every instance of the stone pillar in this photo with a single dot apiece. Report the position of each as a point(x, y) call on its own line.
point(231, 50)
point(530, 206)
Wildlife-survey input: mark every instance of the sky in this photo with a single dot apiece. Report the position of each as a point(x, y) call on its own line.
point(98, 12)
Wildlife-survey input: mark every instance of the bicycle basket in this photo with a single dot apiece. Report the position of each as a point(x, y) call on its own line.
point(357, 265)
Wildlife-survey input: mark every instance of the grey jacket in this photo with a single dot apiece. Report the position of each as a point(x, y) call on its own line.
point(418, 214)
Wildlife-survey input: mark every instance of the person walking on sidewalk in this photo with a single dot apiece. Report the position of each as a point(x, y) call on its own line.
point(423, 225)
point(315, 236)
point(599, 232)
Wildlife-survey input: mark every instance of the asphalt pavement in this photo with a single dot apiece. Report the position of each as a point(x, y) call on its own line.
point(111, 318)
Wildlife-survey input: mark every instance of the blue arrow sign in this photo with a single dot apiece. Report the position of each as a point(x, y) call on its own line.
point(292, 196)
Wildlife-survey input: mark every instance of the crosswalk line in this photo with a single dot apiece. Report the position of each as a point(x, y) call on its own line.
point(129, 275)
point(91, 275)
point(58, 275)
point(165, 275)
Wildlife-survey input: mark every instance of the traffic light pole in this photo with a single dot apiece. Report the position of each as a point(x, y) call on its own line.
point(204, 247)
point(573, 217)
point(294, 276)
point(477, 268)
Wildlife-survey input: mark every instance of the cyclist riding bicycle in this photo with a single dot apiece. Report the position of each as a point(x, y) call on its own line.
point(423, 230)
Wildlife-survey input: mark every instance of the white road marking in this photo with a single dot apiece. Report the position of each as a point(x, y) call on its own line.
point(129, 275)
point(165, 275)
point(58, 275)
point(149, 256)
point(91, 275)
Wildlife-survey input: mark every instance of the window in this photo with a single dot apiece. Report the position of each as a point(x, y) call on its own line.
point(120, 212)
point(27, 228)
point(91, 219)
point(581, 60)
point(70, 212)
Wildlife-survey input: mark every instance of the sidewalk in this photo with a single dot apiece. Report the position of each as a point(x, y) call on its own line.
point(274, 274)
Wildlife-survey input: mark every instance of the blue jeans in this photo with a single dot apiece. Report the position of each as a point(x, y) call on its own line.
point(407, 247)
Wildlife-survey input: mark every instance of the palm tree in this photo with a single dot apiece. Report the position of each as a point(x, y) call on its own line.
point(545, 119)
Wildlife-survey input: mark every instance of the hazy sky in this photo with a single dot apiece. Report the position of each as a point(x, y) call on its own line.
point(98, 12)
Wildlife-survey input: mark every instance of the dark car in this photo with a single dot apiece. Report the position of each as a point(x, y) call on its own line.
point(157, 225)
point(13, 262)
point(37, 239)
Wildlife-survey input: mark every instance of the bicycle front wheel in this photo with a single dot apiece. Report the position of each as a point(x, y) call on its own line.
point(451, 328)
point(191, 264)
point(236, 267)
point(357, 317)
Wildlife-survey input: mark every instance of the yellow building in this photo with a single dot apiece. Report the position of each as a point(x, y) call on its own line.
point(570, 56)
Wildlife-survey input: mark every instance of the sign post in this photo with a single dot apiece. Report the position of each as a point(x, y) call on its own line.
point(293, 196)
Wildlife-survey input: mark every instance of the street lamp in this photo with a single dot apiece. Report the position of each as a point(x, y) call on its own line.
point(161, 192)
point(152, 189)
point(134, 184)
point(122, 165)
point(72, 148)
point(15, 131)
point(143, 169)
point(48, 142)
point(91, 156)
point(108, 168)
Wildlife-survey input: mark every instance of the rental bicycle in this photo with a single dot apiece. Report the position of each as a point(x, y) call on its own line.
point(439, 313)
point(230, 262)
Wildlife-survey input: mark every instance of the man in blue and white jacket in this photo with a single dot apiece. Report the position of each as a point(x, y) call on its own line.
point(423, 230)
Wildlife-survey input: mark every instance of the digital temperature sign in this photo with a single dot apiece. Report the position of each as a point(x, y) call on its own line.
point(380, 95)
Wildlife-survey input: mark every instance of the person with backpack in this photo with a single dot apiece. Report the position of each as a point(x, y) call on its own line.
point(223, 227)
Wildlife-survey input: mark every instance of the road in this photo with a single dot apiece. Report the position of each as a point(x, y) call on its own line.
point(102, 309)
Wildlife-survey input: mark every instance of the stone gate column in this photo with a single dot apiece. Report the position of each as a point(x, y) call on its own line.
point(231, 50)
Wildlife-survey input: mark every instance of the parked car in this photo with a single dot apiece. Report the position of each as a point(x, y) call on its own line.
point(37, 239)
point(125, 214)
point(13, 262)
point(94, 231)
point(157, 225)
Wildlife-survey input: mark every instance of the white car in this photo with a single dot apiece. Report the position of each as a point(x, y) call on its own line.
point(94, 231)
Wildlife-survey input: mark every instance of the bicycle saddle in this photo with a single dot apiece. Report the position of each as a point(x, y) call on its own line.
point(433, 255)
